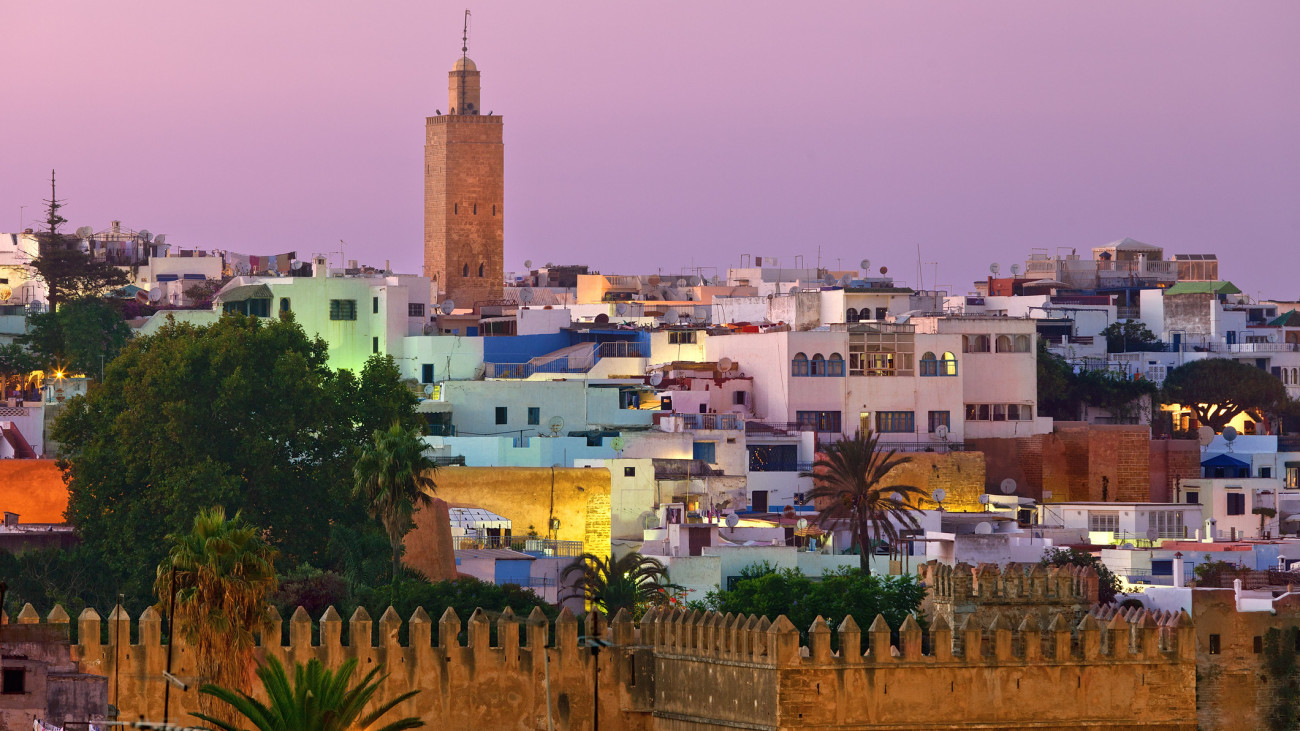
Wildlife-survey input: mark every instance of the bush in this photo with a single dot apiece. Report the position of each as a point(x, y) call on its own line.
point(770, 592)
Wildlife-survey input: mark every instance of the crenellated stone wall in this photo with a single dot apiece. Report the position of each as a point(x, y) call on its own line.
point(679, 670)
point(1014, 591)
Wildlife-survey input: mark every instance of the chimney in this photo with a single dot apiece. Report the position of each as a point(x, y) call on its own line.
point(1178, 569)
point(319, 267)
point(11, 519)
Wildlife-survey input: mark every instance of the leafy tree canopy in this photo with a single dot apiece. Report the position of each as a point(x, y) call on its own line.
point(770, 592)
point(67, 271)
point(244, 413)
point(1062, 393)
point(81, 336)
point(1128, 336)
point(1218, 389)
point(1107, 583)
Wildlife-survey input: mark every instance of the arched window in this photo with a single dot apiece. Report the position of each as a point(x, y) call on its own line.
point(851, 315)
point(818, 365)
point(1004, 344)
point(799, 366)
point(1022, 343)
point(948, 366)
point(284, 304)
point(975, 343)
point(480, 271)
point(929, 364)
point(464, 270)
point(835, 365)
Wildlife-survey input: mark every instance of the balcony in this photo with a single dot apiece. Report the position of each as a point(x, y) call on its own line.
point(727, 422)
point(522, 544)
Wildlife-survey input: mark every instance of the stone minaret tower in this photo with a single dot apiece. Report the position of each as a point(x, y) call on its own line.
point(464, 194)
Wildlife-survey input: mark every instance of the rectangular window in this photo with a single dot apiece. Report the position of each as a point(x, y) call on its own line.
point(415, 309)
point(1214, 644)
point(938, 419)
point(1167, 523)
point(629, 472)
point(343, 309)
point(1266, 472)
point(1013, 412)
point(251, 307)
point(374, 344)
point(895, 422)
point(1103, 522)
point(686, 337)
point(426, 373)
point(14, 681)
point(999, 412)
point(501, 414)
point(707, 451)
point(1258, 644)
point(534, 415)
point(738, 398)
point(374, 305)
point(1193, 498)
point(821, 421)
point(1236, 503)
point(773, 458)
point(1293, 475)
point(929, 367)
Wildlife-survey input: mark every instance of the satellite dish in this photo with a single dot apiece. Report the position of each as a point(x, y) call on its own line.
point(681, 282)
point(725, 363)
point(670, 315)
point(146, 235)
point(160, 239)
point(620, 308)
point(939, 495)
point(85, 232)
point(1229, 434)
point(801, 524)
point(448, 306)
point(1008, 486)
point(656, 378)
point(941, 431)
point(884, 271)
point(618, 443)
point(528, 263)
point(733, 520)
point(984, 528)
point(1015, 269)
point(649, 520)
point(428, 390)
point(866, 265)
point(602, 319)
point(556, 423)
point(794, 289)
point(1205, 435)
point(1272, 337)
point(993, 268)
point(526, 295)
point(549, 265)
point(829, 280)
point(846, 280)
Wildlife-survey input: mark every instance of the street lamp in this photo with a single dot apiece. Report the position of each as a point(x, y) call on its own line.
point(595, 643)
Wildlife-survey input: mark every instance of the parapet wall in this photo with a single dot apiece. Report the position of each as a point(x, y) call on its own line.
point(1014, 591)
point(678, 670)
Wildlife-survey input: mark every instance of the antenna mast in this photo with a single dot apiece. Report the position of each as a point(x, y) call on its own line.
point(464, 57)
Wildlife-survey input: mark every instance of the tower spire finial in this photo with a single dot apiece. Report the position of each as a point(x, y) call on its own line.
point(464, 37)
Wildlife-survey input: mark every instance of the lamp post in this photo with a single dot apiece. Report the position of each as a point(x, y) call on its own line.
point(595, 643)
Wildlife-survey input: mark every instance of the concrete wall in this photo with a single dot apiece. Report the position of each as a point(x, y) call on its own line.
point(452, 357)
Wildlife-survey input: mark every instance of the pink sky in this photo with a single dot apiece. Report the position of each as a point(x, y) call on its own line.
point(661, 135)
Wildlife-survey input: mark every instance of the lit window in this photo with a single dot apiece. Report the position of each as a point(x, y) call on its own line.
point(895, 422)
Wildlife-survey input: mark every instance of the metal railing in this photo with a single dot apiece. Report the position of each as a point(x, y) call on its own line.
point(623, 349)
point(729, 422)
point(776, 428)
point(577, 360)
point(523, 544)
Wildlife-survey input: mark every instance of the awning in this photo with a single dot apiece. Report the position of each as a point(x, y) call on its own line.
point(1224, 460)
point(245, 292)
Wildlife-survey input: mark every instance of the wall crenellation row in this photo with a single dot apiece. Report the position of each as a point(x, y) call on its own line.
point(1016, 582)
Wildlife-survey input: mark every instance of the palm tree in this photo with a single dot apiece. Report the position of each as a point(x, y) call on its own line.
point(220, 576)
point(318, 700)
point(392, 476)
point(848, 476)
point(630, 582)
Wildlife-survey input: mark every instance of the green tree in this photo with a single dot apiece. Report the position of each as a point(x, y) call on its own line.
point(763, 590)
point(1062, 393)
point(220, 576)
point(244, 413)
point(849, 482)
point(391, 476)
point(385, 399)
point(318, 700)
point(633, 582)
point(82, 336)
point(1128, 336)
point(15, 363)
point(1056, 397)
point(1107, 583)
point(67, 271)
point(1218, 389)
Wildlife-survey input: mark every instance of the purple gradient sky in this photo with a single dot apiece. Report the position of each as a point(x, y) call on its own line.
point(673, 133)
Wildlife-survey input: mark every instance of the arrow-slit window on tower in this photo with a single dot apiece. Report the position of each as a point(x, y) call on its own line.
point(464, 271)
point(480, 271)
